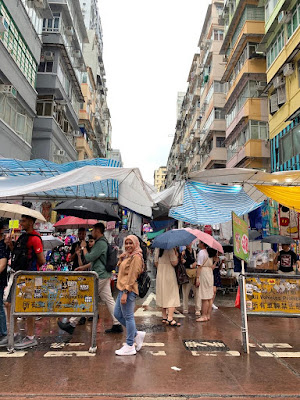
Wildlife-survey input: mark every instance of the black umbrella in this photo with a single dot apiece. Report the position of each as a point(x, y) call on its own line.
point(88, 209)
point(278, 239)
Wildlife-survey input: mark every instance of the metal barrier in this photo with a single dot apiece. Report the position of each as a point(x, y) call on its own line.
point(54, 294)
point(266, 295)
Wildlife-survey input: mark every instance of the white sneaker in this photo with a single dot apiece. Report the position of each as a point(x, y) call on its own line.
point(126, 351)
point(139, 339)
point(215, 307)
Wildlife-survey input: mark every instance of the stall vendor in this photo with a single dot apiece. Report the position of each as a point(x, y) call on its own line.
point(287, 259)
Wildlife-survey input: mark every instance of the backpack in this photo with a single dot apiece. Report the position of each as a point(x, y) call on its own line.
point(19, 258)
point(111, 256)
point(144, 282)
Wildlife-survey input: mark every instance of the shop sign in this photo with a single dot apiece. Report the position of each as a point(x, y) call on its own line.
point(54, 293)
point(240, 238)
point(272, 295)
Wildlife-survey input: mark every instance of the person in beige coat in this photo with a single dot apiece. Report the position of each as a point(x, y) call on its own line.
point(167, 290)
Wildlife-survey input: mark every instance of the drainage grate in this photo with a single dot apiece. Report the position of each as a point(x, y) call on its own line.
point(205, 345)
point(151, 328)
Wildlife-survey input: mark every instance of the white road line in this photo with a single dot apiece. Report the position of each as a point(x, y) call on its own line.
point(149, 298)
point(16, 354)
point(153, 344)
point(233, 353)
point(215, 354)
point(279, 354)
point(277, 345)
point(152, 313)
point(157, 353)
point(69, 354)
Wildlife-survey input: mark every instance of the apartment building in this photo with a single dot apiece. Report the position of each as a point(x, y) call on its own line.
point(59, 83)
point(159, 178)
point(20, 49)
point(282, 49)
point(209, 125)
point(246, 110)
point(200, 129)
point(97, 111)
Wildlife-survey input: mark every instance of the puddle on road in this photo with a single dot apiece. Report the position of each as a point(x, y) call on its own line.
point(151, 328)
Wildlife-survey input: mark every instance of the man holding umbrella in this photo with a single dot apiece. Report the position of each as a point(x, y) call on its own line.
point(97, 257)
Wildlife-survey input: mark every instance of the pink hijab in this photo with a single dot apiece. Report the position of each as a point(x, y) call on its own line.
point(136, 248)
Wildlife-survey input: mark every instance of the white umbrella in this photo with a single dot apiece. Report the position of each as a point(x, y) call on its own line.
point(50, 241)
point(15, 211)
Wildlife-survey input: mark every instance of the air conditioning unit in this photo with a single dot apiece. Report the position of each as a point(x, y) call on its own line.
point(278, 81)
point(69, 30)
point(284, 17)
point(77, 54)
point(49, 55)
point(39, 3)
point(9, 90)
point(288, 69)
point(60, 153)
point(4, 25)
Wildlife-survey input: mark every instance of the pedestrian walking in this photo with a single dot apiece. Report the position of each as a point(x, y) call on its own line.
point(130, 265)
point(34, 259)
point(97, 257)
point(4, 255)
point(188, 258)
point(76, 249)
point(167, 290)
point(206, 262)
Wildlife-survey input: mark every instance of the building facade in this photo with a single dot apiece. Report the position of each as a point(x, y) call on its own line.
point(159, 178)
point(200, 129)
point(59, 83)
point(246, 109)
point(282, 49)
point(20, 49)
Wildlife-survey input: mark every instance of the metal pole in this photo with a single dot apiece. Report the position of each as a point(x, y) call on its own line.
point(245, 334)
point(12, 317)
point(93, 347)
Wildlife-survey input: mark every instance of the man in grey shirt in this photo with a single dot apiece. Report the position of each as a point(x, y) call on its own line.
point(96, 259)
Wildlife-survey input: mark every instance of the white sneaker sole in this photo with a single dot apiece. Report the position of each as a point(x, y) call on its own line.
point(132, 353)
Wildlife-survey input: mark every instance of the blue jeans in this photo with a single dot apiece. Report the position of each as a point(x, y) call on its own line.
point(125, 315)
point(3, 327)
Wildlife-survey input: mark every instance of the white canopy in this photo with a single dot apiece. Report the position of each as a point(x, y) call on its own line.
point(133, 192)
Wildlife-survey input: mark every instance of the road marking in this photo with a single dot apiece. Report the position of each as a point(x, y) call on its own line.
point(149, 298)
point(140, 312)
point(16, 354)
point(69, 354)
point(277, 345)
point(157, 353)
point(153, 344)
point(61, 345)
point(279, 354)
point(227, 353)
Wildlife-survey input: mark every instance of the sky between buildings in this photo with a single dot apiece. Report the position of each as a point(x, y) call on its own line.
point(148, 50)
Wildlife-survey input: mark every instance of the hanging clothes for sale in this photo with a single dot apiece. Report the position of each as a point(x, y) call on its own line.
point(255, 219)
point(270, 220)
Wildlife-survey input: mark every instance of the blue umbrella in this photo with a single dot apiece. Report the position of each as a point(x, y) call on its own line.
point(173, 238)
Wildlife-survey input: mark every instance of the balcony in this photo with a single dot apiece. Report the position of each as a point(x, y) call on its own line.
point(254, 154)
point(83, 148)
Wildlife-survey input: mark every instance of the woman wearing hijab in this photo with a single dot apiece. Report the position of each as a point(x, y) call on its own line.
point(130, 265)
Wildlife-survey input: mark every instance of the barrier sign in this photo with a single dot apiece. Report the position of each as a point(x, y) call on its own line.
point(54, 293)
point(268, 295)
point(272, 295)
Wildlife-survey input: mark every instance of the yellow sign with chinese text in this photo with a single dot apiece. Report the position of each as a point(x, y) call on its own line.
point(273, 295)
point(54, 293)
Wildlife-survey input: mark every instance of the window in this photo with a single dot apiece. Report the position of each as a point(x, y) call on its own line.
point(217, 35)
point(46, 66)
point(219, 113)
point(16, 117)
point(84, 77)
point(277, 99)
point(52, 25)
point(44, 109)
point(17, 47)
point(295, 20)
point(286, 147)
point(220, 141)
point(275, 48)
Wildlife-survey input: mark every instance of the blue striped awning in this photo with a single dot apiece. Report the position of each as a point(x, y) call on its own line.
point(212, 204)
point(26, 172)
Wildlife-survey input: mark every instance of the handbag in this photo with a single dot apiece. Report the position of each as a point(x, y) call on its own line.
point(181, 274)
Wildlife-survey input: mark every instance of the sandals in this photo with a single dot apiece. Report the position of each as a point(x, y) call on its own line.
point(164, 320)
point(173, 323)
point(202, 319)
